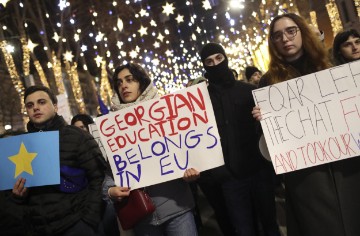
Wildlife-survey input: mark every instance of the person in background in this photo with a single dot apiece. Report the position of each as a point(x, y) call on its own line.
point(236, 75)
point(173, 199)
point(82, 121)
point(323, 199)
point(244, 185)
point(253, 75)
point(346, 47)
point(58, 209)
point(108, 225)
point(12, 222)
point(198, 80)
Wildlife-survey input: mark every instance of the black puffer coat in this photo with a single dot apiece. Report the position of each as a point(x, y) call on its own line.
point(232, 107)
point(50, 211)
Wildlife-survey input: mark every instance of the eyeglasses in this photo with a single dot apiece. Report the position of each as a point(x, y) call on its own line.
point(290, 33)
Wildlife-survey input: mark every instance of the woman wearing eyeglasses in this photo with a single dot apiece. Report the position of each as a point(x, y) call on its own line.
point(325, 199)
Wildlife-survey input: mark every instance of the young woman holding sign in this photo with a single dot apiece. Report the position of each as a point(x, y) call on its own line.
point(173, 199)
point(324, 199)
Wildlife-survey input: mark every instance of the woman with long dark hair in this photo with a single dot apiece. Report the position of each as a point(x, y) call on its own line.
point(173, 199)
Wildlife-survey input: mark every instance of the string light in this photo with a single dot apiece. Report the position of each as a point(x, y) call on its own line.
point(26, 56)
point(56, 65)
point(41, 73)
point(313, 19)
point(15, 78)
point(334, 17)
point(106, 92)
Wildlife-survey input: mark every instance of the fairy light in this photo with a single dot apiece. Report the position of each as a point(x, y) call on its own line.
point(76, 87)
point(357, 6)
point(26, 56)
point(15, 78)
point(41, 73)
point(105, 88)
point(334, 17)
point(56, 65)
point(313, 19)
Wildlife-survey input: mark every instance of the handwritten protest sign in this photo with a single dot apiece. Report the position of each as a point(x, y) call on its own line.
point(312, 120)
point(157, 140)
point(93, 130)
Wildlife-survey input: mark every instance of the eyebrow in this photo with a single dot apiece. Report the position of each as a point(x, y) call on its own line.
point(126, 76)
point(286, 28)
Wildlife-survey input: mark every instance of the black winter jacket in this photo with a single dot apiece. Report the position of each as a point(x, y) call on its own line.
point(237, 129)
point(52, 212)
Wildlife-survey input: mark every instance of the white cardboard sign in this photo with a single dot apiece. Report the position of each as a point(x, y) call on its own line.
point(313, 119)
point(157, 140)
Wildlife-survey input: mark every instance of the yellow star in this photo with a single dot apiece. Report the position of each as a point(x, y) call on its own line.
point(23, 161)
point(153, 23)
point(4, 2)
point(168, 9)
point(142, 30)
point(179, 19)
point(31, 45)
point(143, 13)
point(98, 60)
point(160, 37)
point(206, 4)
point(56, 37)
point(68, 56)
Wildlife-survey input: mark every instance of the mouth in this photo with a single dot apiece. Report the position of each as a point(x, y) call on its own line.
point(288, 47)
point(37, 115)
point(125, 94)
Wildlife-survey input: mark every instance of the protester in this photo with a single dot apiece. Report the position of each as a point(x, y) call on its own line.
point(323, 199)
point(58, 209)
point(346, 47)
point(108, 225)
point(82, 121)
point(253, 75)
point(173, 200)
point(244, 184)
point(11, 214)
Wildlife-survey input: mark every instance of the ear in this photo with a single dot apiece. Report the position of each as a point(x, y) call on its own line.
point(55, 107)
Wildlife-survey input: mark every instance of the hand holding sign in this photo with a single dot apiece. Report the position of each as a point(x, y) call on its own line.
point(157, 140)
point(19, 189)
point(191, 175)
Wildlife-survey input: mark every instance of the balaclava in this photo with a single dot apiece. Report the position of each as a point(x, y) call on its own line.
point(219, 74)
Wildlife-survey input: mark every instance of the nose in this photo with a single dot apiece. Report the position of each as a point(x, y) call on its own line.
point(35, 107)
point(354, 46)
point(284, 37)
point(123, 85)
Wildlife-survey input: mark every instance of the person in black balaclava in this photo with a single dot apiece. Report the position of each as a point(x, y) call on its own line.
point(244, 184)
point(216, 65)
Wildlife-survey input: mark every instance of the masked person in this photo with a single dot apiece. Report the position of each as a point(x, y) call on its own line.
point(245, 181)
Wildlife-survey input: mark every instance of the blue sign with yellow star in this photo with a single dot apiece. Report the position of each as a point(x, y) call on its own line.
point(33, 156)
